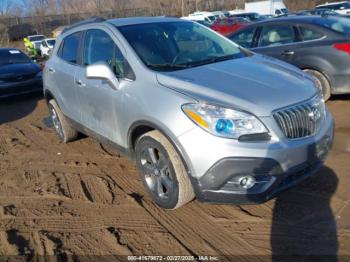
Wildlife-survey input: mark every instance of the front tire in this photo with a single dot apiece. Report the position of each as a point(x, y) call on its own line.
point(323, 81)
point(162, 171)
point(65, 132)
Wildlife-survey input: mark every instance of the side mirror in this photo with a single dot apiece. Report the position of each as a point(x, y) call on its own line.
point(102, 71)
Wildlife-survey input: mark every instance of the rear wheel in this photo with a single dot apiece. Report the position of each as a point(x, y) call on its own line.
point(323, 81)
point(162, 171)
point(65, 132)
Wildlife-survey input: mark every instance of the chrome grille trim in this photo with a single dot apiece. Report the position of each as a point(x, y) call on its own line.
point(301, 120)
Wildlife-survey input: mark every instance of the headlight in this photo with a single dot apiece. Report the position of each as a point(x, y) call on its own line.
point(39, 74)
point(224, 122)
point(318, 112)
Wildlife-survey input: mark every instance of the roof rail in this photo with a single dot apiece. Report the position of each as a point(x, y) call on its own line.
point(94, 19)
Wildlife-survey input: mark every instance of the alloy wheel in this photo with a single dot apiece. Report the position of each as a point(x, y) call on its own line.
point(157, 172)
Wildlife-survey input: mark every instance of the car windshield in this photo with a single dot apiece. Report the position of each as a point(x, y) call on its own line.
point(13, 57)
point(169, 46)
point(36, 38)
point(212, 18)
point(338, 24)
point(284, 11)
point(51, 42)
point(254, 16)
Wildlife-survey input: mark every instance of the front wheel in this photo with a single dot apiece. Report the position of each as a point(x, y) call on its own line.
point(162, 171)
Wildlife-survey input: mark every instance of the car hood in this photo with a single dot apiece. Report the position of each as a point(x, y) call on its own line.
point(10, 71)
point(257, 84)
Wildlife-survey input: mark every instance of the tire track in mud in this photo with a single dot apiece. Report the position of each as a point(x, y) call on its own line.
point(98, 192)
point(92, 188)
point(178, 223)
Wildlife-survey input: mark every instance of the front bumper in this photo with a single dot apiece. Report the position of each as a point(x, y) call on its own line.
point(20, 88)
point(275, 166)
point(271, 180)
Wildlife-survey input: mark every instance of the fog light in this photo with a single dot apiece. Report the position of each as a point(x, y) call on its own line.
point(247, 182)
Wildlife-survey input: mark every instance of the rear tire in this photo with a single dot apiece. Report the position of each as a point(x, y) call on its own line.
point(326, 87)
point(162, 171)
point(65, 132)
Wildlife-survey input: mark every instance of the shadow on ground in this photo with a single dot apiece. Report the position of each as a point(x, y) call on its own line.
point(16, 108)
point(303, 222)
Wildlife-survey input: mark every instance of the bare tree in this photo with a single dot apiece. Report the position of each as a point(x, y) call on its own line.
point(5, 7)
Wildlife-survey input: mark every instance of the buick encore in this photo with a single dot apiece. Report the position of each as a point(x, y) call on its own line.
point(201, 116)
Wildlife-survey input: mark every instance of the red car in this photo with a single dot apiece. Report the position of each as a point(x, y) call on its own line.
point(227, 26)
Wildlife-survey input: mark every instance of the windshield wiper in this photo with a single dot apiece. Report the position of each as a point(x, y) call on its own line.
point(168, 66)
point(212, 60)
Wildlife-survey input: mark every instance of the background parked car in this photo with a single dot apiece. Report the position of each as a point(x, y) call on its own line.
point(18, 73)
point(201, 16)
point(342, 8)
point(318, 45)
point(250, 16)
point(46, 46)
point(267, 7)
point(36, 40)
point(319, 11)
point(227, 26)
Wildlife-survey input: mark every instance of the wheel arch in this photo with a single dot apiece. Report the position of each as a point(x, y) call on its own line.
point(140, 128)
point(48, 96)
point(318, 70)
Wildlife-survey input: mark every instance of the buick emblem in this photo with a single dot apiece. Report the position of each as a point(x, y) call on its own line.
point(315, 114)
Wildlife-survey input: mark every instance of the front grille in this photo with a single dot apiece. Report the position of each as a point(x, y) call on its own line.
point(301, 120)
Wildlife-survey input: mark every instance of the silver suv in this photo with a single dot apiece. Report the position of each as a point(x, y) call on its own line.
point(201, 116)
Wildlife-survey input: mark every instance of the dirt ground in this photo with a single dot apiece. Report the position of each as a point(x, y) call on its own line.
point(79, 199)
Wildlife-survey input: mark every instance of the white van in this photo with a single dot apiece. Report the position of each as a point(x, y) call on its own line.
point(202, 16)
point(342, 8)
point(267, 7)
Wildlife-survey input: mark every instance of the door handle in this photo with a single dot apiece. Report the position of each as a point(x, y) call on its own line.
point(80, 83)
point(288, 53)
point(51, 70)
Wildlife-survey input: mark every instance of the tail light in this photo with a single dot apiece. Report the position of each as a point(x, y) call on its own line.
point(344, 47)
point(42, 66)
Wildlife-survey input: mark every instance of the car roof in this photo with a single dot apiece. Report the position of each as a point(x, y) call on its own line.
point(141, 20)
point(248, 13)
point(293, 19)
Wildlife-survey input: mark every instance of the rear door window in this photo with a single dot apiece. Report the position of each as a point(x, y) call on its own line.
point(309, 34)
point(69, 50)
point(276, 35)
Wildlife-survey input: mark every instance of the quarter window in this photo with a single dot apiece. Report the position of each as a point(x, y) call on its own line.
point(69, 49)
point(100, 47)
point(244, 38)
point(275, 35)
point(310, 34)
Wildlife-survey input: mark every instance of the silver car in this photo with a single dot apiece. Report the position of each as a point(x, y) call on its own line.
point(201, 116)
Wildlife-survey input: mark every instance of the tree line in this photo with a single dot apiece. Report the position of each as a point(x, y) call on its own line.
point(169, 7)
